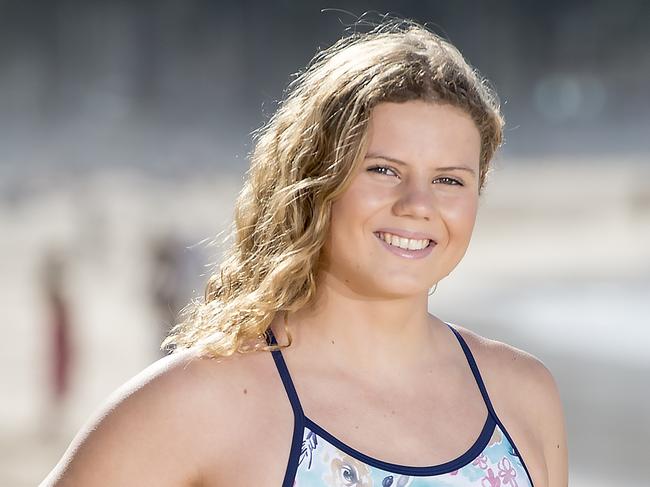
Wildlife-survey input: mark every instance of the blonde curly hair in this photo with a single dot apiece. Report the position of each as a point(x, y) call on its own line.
point(303, 160)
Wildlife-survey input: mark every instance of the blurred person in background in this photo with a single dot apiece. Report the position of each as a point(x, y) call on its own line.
point(312, 359)
point(59, 338)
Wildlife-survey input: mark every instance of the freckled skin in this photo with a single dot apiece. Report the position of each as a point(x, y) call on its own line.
point(413, 196)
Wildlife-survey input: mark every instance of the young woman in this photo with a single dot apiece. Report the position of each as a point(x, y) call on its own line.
point(313, 360)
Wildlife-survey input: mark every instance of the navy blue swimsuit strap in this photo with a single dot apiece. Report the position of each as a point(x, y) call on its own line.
point(298, 416)
point(285, 376)
point(475, 371)
point(293, 395)
point(486, 398)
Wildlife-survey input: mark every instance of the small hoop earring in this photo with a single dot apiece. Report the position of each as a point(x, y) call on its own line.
point(433, 290)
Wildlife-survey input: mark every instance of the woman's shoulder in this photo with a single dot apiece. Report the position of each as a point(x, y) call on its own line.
point(525, 396)
point(188, 384)
point(501, 363)
point(164, 418)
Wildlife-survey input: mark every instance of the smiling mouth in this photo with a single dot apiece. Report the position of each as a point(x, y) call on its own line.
point(404, 243)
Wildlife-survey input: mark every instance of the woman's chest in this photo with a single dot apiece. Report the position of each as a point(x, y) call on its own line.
point(319, 460)
point(334, 429)
point(281, 450)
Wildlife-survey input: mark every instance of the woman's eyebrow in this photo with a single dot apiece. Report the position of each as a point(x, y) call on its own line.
point(457, 168)
point(391, 159)
point(402, 163)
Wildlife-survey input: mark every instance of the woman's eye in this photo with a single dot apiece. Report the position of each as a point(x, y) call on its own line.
point(447, 180)
point(387, 171)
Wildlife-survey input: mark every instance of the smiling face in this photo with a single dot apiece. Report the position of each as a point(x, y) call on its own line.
point(407, 217)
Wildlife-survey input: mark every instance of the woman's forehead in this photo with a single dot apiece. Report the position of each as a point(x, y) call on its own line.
point(418, 129)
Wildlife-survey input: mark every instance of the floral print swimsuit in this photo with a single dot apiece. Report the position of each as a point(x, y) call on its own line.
point(318, 459)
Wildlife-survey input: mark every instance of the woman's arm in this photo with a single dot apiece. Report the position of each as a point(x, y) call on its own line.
point(552, 428)
point(142, 435)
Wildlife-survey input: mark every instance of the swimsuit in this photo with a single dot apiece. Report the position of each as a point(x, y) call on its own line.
point(319, 459)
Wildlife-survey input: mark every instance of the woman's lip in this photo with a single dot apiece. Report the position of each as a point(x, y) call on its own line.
point(406, 234)
point(407, 254)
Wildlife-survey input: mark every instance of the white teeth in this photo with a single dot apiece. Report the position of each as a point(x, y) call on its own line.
point(403, 243)
point(413, 245)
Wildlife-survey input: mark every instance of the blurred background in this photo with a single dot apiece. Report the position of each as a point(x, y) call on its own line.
point(124, 133)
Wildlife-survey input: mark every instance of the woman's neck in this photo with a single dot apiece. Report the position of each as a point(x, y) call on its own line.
point(374, 337)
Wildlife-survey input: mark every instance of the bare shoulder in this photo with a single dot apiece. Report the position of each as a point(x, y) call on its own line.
point(508, 361)
point(511, 370)
point(522, 387)
point(153, 429)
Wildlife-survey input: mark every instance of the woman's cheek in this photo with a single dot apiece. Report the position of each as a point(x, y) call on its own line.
point(462, 212)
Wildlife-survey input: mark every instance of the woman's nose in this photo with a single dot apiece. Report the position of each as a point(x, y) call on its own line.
point(416, 200)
